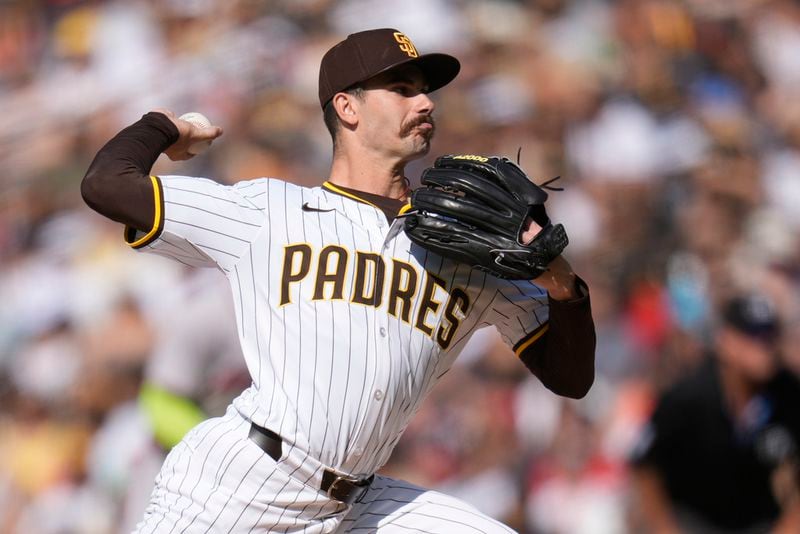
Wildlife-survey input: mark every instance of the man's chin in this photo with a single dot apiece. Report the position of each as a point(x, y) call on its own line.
point(423, 148)
point(424, 138)
point(417, 151)
point(419, 144)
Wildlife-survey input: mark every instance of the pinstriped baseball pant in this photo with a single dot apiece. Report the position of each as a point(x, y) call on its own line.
point(218, 480)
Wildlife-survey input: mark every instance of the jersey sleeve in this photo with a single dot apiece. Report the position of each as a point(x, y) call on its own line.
point(520, 313)
point(202, 223)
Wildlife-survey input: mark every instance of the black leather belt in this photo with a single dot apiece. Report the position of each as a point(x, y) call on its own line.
point(340, 487)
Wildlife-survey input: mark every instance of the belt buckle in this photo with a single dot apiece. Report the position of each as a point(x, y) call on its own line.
point(351, 489)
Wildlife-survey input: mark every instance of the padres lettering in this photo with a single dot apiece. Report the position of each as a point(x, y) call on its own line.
point(405, 44)
point(369, 283)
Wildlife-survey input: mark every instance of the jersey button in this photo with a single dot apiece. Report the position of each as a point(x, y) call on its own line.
point(382, 331)
point(378, 394)
point(358, 451)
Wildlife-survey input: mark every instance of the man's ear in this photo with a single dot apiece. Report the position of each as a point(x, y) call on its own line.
point(346, 106)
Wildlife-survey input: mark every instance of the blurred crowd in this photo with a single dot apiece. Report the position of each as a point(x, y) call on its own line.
point(675, 125)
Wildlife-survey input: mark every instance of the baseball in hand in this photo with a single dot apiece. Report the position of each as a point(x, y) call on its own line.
point(201, 121)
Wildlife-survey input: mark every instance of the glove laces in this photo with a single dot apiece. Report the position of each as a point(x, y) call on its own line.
point(545, 185)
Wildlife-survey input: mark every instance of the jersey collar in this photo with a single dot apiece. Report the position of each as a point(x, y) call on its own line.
point(389, 207)
point(333, 188)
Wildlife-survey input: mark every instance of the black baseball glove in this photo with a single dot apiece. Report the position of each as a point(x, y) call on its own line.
point(472, 209)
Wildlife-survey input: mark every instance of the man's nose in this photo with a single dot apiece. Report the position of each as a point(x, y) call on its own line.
point(424, 104)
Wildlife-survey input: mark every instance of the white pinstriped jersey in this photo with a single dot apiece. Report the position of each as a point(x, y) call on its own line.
point(345, 325)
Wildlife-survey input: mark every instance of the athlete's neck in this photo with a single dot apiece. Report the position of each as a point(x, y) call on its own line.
point(370, 175)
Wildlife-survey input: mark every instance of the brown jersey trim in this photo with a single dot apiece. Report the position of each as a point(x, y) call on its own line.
point(346, 193)
point(130, 233)
point(531, 338)
point(391, 207)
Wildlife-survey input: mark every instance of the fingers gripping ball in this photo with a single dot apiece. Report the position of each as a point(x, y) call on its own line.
point(201, 121)
point(473, 209)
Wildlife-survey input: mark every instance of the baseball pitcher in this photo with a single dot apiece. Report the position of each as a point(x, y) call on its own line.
point(352, 299)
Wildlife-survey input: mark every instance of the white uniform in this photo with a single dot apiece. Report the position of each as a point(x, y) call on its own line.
point(197, 355)
point(345, 326)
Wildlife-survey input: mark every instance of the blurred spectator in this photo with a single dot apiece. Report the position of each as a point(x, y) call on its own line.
point(575, 487)
point(722, 450)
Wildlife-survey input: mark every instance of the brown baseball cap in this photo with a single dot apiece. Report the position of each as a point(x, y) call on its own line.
point(364, 54)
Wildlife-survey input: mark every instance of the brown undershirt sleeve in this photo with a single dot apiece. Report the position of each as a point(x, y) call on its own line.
point(563, 357)
point(117, 183)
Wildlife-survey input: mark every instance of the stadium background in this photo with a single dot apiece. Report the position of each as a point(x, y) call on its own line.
point(674, 124)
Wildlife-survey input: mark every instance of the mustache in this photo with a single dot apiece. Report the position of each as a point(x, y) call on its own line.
point(413, 123)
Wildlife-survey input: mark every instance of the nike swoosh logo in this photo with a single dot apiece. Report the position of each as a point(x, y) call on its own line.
point(306, 207)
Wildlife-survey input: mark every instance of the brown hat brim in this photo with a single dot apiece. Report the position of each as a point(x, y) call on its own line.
point(438, 70)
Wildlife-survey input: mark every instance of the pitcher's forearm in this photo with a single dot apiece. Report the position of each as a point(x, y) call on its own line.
point(117, 183)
